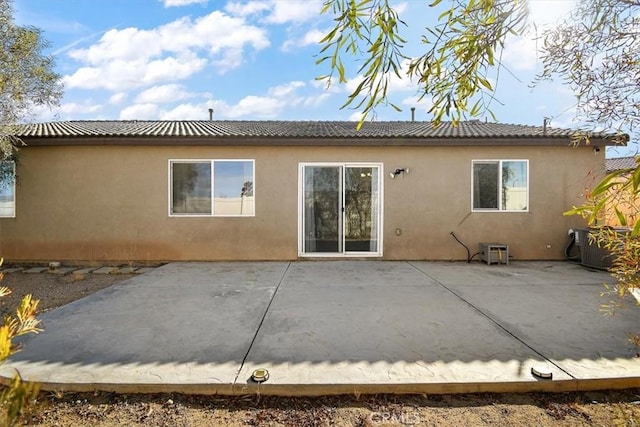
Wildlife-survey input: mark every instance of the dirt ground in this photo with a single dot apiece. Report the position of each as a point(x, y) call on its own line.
point(607, 408)
point(54, 290)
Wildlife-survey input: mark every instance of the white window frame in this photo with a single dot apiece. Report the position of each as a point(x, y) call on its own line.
point(213, 213)
point(13, 190)
point(500, 162)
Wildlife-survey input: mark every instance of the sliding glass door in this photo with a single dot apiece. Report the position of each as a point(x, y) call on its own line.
point(340, 209)
point(361, 206)
point(322, 209)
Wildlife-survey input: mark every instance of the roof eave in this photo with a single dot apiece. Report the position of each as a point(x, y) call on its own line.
point(308, 141)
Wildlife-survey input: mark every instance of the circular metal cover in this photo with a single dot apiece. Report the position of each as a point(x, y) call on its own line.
point(260, 375)
point(542, 372)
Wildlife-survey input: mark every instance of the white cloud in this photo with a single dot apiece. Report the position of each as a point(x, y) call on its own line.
point(230, 60)
point(271, 106)
point(401, 84)
point(177, 3)
point(117, 75)
point(118, 98)
point(315, 101)
point(74, 43)
point(248, 8)
point(415, 101)
point(215, 32)
point(521, 53)
point(140, 112)
point(294, 11)
point(549, 12)
point(352, 84)
point(127, 44)
point(74, 108)
point(173, 68)
point(400, 7)
point(330, 88)
point(395, 84)
point(42, 113)
point(130, 58)
point(188, 112)
point(285, 90)
point(163, 94)
point(313, 37)
point(310, 37)
point(355, 116)
point(422, 107)
point(565, 122)
point(256, 107)
point(277, 11)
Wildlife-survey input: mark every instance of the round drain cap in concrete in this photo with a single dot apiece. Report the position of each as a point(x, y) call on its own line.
point(542, 372)
point(260, 375)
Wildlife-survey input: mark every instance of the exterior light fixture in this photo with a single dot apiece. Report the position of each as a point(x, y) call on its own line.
point(398, 171)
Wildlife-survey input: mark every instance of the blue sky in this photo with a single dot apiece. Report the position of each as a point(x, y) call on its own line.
point(248, 60)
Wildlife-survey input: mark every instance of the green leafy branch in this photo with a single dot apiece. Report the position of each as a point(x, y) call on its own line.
point(370, 26)
point(618, 187)
point(460, 51)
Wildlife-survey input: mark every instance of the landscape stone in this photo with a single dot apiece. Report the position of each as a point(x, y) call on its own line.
point(105, 270)
point(37, 270)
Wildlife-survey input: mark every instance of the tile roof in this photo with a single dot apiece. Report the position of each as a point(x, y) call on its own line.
point(618, 163)
point(285, 129)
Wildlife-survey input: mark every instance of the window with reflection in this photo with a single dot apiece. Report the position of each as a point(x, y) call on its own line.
point(7, 189)
point(212, 188)
point(500, 185)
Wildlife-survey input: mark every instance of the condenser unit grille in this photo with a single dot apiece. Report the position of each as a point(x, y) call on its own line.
point(593, 255)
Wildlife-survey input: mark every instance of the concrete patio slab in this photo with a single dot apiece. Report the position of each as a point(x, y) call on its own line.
point(337, 327)
point(383, 326)
point(180, 324)
point(549, 314)
point(514, 274)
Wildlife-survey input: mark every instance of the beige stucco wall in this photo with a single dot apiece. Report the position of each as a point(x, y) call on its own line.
point(95, 203)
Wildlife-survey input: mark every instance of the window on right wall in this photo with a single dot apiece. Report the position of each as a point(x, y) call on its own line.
point(500, 185)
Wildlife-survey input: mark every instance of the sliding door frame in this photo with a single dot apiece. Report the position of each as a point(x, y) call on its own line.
point(301, 210)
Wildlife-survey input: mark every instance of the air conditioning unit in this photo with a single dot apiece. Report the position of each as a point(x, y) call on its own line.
point(593, 255)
